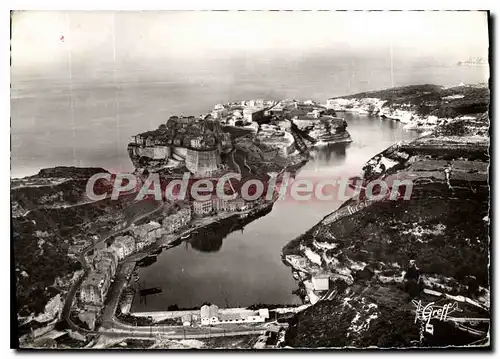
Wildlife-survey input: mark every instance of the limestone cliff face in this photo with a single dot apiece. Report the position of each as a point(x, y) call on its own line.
point(326, 129)
point(442, 227)
point(418, 107)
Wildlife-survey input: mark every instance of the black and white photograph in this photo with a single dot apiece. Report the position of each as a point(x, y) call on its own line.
point(250, 180)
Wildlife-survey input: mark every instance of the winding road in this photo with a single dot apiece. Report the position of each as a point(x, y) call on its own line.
point(83, 260)
point(111, 327)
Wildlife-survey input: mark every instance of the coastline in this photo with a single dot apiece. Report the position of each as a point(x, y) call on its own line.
point(449, 163)
point(172, 240)
point(371, 170)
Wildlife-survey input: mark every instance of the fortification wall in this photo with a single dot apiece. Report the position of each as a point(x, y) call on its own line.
point(202, 162)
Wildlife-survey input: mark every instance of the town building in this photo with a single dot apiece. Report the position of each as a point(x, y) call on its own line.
point(251, 114)
point(196, 142)
point(105, 266)
point(94, 288)
point(149, 232)
point(277, 110)
point(140, 243)
point(177, 220)
point(222, 205)
point(321, 282)
point(219, 113)
point(186, 320)
point(202, 207)
point(337, 104)
point(120, 250)
point(124, 246)
point(316, 113)
point(106, 261)
point(209, 314)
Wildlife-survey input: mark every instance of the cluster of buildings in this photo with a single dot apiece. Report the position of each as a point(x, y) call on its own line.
point(195, 141)
point(104, 264)
point(245, 111)
point(95, 287)
point(362, 106)
point(217, 204)
point(175, 221)
point(105, 261)
point(253, 114)
point(210, 315)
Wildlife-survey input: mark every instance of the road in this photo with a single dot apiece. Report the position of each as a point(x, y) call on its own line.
point(83, 260)
point(111, 327)
point(169, 332)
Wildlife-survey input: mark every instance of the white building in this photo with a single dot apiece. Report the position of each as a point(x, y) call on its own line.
point(321, 282)
point(315, 113)
point(124, 245)
point(186, 320)
point(209, 314)
point(252, 113)
point(202, 207)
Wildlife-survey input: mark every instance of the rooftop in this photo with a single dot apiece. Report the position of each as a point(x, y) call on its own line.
point(94, 278)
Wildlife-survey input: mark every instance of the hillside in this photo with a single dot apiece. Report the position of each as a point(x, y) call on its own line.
point(441, 232)
point(418, 106)
point(51, 221)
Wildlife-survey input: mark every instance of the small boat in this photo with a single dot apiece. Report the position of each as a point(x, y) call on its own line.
point(147, 261)
point(158, 251)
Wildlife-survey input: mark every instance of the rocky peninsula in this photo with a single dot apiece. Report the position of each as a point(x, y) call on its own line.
point(248, 137)
point(377, 256)
point(52, 217)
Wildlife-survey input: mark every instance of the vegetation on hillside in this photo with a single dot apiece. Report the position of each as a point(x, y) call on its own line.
point(434, 100)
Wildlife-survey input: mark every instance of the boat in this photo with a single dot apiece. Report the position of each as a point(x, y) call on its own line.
point(149, 291)
point(158, 251)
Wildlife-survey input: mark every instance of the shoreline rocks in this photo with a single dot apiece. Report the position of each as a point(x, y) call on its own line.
point(418, 107)
point(441, 229)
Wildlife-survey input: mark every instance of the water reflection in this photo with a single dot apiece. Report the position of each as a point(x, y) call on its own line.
point(326, 154)
point(244, 268)
point(210, 238)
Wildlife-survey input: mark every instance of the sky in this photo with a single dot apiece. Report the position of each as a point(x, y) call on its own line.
point(46, 43)
point(83, 82)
